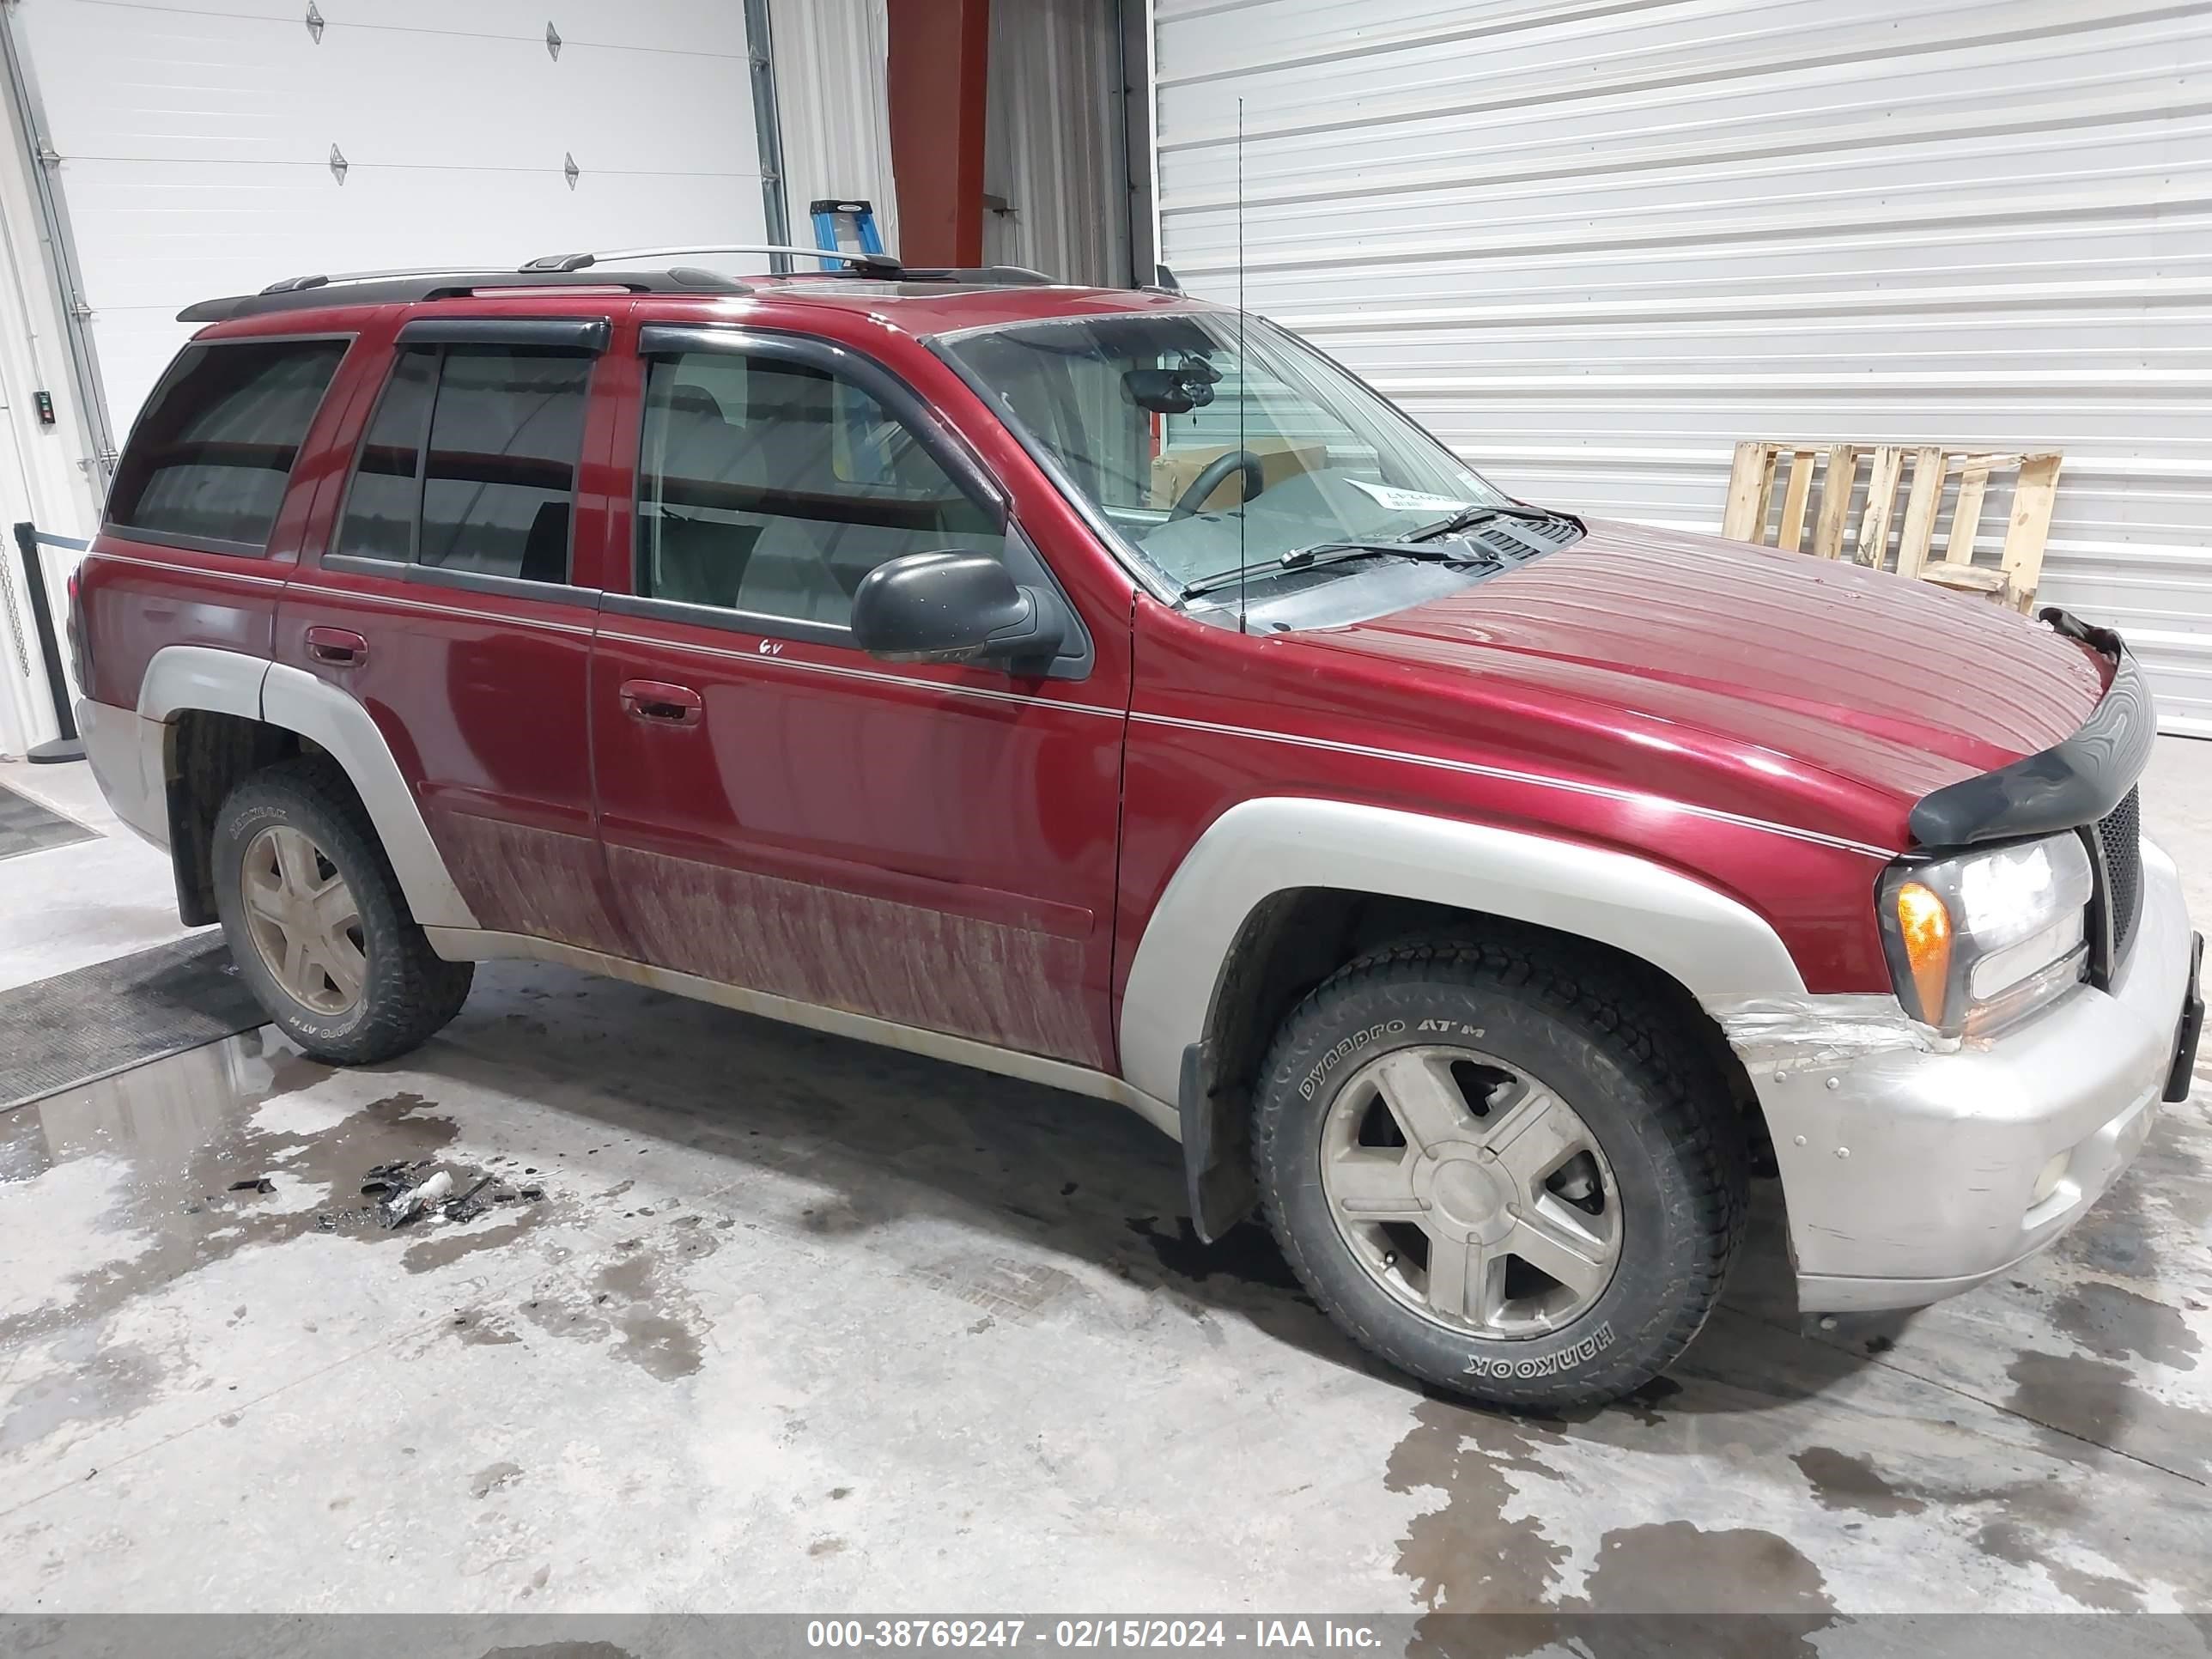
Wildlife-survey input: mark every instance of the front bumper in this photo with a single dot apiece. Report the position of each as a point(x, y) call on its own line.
point(1911, 1174)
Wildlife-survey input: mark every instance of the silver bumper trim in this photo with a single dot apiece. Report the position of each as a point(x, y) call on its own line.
point(1910, 1165)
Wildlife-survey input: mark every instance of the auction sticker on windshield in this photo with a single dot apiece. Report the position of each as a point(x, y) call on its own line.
point(1407, 501)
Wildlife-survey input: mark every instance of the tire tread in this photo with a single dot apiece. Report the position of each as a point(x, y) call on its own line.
point(1699, 1120)
point(421, 992)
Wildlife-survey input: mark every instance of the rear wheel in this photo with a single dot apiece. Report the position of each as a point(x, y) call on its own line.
point(1494, 1169)
point(317, 923)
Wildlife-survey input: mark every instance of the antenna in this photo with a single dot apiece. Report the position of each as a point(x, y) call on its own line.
point(1243, 376)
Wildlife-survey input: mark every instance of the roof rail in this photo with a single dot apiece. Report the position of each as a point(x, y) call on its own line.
point(990, 276)
point(319, 279)
point(378, 287)
point(875, 265)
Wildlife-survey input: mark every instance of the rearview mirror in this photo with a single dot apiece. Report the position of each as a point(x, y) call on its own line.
point(952, 607)
point(1177, 391)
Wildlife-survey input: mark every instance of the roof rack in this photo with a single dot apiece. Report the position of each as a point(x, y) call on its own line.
point(873, 264)
point(855, 263)
point(980, 275)
point(319, 279)
point(406, 287)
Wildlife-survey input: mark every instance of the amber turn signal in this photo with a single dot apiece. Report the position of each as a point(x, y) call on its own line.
point(1924, 923)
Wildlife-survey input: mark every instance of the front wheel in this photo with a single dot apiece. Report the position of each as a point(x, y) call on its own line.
point(1493, 1170)
point(317, 923)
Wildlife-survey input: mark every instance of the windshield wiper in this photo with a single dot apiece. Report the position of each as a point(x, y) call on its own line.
point(1321, 553)
point(1469, 517)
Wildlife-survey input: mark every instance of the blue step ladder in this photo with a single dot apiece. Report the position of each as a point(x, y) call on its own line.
point(829, 210)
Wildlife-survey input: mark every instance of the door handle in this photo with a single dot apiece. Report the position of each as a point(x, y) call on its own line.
point(667, 704)
point(339, 646)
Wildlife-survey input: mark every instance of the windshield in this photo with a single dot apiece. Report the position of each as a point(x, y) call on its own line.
point(1205, 455)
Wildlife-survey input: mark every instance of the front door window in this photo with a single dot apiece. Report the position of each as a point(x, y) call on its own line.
point(772, 488)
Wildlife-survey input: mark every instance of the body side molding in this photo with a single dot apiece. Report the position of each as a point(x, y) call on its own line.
point(1710, 943)
point(472, 945)
point(298, 702)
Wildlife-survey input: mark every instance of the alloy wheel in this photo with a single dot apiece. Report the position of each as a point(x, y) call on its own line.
point(1470, 1191)
point(304, 921)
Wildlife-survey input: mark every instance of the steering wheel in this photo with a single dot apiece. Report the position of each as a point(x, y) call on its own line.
point(1216, 474)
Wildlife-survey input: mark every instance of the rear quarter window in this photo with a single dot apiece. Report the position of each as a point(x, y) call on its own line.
point(209, 459)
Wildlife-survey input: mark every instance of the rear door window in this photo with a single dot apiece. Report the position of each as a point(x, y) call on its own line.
point(380, 508)
point(209, 460)
point(468, 464)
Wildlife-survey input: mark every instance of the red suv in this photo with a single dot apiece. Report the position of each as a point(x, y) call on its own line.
point(1107, 688)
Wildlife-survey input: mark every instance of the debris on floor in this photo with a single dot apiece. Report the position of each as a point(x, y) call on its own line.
point(405, 1190)
point(387, 1179)
point(253, 1184)
point(403, 1206)
point(471, 1204)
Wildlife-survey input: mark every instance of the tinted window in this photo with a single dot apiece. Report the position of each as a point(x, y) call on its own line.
point(504, 428)
point(505, 432)
point(774, 488)
point(379, 515)
point(214, 446)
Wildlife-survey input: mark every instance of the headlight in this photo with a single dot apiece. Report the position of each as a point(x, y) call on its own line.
point(1978, 940)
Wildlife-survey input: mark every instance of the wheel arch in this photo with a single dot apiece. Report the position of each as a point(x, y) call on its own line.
point(1279, 893)
point(218, 716)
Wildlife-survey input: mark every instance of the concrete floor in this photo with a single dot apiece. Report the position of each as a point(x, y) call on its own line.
point(806, 1325)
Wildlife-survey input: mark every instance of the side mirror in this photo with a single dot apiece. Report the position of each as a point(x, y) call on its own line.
point(952, 607)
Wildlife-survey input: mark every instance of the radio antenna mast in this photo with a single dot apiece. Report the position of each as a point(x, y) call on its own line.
point(1244, 495)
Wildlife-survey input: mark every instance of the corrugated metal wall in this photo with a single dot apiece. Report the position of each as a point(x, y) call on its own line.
point(1592, 243)
point(1052, 140)
point(829, 81)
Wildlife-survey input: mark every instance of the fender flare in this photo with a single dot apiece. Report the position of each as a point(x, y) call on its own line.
point(184, 676)
point(337, 723)
point(1714, 945)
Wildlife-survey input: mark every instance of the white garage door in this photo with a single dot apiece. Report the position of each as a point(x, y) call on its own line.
point(196, 140)
point(1593, 246)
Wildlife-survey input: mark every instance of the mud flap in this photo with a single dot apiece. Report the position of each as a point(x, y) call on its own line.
point(1217, 1173)
point(2182, 1073)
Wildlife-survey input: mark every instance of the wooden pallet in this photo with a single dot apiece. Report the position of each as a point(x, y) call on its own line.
point(2012, 579)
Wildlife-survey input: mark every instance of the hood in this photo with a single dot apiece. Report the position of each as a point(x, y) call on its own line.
point(1889, 683)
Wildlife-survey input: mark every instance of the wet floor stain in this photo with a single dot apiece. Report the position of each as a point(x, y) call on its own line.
point(1841, 1481)
point(2092, 1404)
point(651, 1329)
point(179, 1211)
point(1247, 1253)
point(2009, 1540)
point(1672, 1567)
point(636, 1305)
point(1467, 1555)
point(183, 1165)
point(1463, 1556)
point(2113, 1323)
point(91, 1381)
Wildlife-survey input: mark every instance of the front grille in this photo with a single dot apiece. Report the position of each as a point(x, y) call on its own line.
point(2119, 850)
